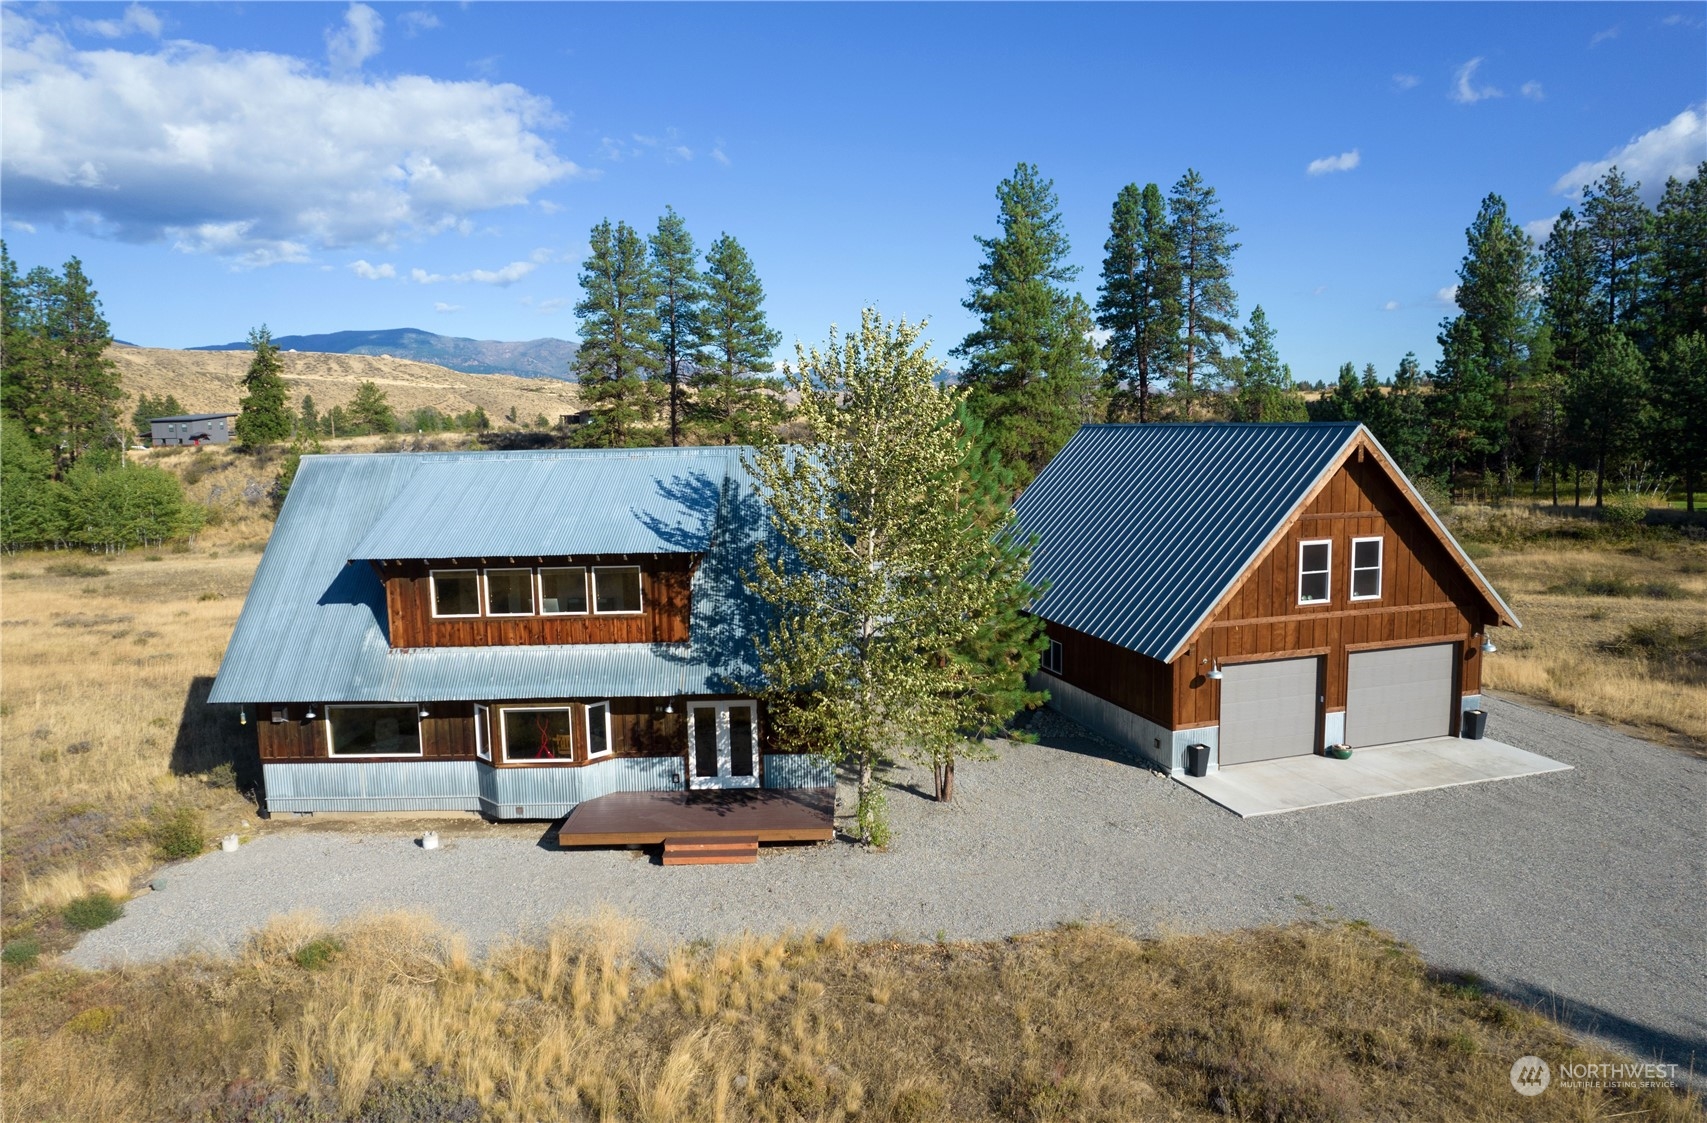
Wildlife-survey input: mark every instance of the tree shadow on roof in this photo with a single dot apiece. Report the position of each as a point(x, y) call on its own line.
point(357, 584)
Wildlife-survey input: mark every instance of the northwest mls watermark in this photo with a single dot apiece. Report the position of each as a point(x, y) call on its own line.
point(1530, 1076)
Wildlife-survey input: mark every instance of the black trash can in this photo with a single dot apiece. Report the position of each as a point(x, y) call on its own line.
point(1197, 760)
point(1475, 724)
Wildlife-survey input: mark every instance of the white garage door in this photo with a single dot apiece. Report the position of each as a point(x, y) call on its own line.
point(1401, 694)
point(1268, 710)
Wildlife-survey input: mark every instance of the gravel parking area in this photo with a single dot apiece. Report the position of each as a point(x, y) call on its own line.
point(1584, 892)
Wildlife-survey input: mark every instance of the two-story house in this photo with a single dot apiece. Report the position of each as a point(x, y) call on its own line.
point(509, 633)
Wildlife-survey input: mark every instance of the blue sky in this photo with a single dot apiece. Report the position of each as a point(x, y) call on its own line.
point(322, 167)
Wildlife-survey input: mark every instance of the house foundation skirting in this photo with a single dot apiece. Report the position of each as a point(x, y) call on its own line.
point(1165, 748)
point(388, 785)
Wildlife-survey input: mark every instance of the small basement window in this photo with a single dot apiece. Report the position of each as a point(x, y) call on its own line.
point(456, 592)
point(536, 735)
point(373, 730)
point(509, 592)
point(616, 588)
point(1052, 657)
point(563, 592)
point(1315, 560)
point(598, 729)
point(1365, 569)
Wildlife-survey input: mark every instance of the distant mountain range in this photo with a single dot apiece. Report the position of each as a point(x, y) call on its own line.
point(536, 358)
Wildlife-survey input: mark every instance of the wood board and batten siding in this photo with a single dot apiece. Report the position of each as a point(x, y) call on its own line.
point(665, 583)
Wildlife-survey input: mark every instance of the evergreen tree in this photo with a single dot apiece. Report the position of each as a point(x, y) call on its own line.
point(308, 419)
point(371, 410)
point(1341, 403)
point(1029, 362)
point(1496, 286)
point(1680, 401)
point(265, 418)
point(30, 511)
point(1464, 407)
point(1402, 425)
point(1208, 304)
point(680, 295)
point(1620, 238)
point(148, 407)
point(894, 561)
point(1263, 389)
point(1607, 403)
point(733, 346)
point(618, 356)
point(1680, 259)
point(1139, 305)
point(1567, 288)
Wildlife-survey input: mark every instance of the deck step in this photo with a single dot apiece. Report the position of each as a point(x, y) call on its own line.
point(711, 850)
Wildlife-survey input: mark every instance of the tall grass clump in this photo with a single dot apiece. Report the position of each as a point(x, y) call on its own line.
point(97, 910)
point(179, 833)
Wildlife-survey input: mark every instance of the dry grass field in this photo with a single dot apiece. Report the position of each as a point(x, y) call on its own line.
point(208, 382)
point(391, 1019)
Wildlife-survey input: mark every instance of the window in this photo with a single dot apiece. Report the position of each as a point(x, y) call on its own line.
point(563, 591)
point(598, 729)
point(1052, 657)
point(616, 588)
point(509, 592)
point(1314, 562)
point(1365, 568)
point(482, 734)
point(456, 592)
point(373, 730)
point(536, 735)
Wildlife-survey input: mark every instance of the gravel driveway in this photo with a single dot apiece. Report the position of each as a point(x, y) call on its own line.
point(1584, 892)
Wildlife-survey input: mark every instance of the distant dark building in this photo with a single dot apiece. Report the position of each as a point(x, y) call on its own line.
point(191, 429)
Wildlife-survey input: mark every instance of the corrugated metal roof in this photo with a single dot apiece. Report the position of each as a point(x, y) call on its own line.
point(1142, 528)
point(313, 626)
point(642, 501)
point(191, 417)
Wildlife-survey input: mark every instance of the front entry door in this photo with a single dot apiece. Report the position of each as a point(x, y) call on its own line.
point(723, 749)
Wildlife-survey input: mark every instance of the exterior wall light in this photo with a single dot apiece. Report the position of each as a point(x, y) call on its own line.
point(242, 717)
point(311, 713)
point(423, 713)
point(1215, 674)
point(1488, 647)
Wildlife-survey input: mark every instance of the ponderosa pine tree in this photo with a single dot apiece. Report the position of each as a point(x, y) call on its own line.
point(1680, 259)
point(1263, 389)
point(1030, 361)
point(1680, 406)
point(675, 271)
point(1496, 292)
point(1620, 238)
point(1139, 301)
point(1340, 403)
point(149, 407)
point(732, 347)
point(371, 409)
point(1464, 406)
point(265, 416)
point(892, 562)
point(1402, 424)
point(1208, 304)
point(618, 360)
point(1607, 403)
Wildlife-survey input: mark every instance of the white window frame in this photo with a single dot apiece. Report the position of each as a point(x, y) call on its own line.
point(482, 733)
point(610, 745)
point(331, 745)
point(1380, 560)
point(586, 588)
point(640, 584)
point(1302, 546)
point(504, 735)
point(433, 594)
point(486, 592)
point(1052, 657)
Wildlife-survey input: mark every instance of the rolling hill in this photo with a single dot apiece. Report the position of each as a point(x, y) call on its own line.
point(534, 358)
point(207, 381)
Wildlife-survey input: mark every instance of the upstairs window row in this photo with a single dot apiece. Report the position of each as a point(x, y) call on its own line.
point(548, 591)
point(1315, 570)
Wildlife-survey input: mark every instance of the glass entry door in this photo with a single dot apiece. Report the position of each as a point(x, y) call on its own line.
point(723, 745)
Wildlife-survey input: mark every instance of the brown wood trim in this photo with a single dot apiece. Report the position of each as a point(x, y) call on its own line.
point(1372, 610)
point(1408, 641)
point(1279, 656)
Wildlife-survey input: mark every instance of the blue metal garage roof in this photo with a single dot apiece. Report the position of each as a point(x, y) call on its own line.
point(1142, 528)
point(314, 625)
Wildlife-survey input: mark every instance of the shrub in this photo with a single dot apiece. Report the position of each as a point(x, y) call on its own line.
point(97, 910)
point(317, 953)
point(1616, 586)
point(78, 569)
point(179, 834)
point(21, 952)
point(93, 1022)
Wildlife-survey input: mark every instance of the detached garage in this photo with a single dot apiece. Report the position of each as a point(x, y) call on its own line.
point(1262, 591)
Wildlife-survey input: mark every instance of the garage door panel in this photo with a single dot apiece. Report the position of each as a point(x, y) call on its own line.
point(1400, 694)
point(1268, 710)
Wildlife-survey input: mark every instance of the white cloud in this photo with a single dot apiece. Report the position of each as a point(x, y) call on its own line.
point(546, 307)
point(1672, 149)
point(1600, 37)
point(416, 22)
point(1678, 19)
point(508, 275)
point(21, 227)
point(1318, 290)
point(719, 155)
point(1390, 306)
point(255, 155)
point(441, 306)
point(1464, 88)
point(137, 21)
point(1344, 162)
point(1540, 228)
point(1406, 81)
point(1447, 295)
point(356, 42)
point(373, 272)
point(1533, 91)
point(546, 206)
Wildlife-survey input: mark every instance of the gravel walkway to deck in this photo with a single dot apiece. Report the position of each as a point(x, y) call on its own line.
point(1584, 891)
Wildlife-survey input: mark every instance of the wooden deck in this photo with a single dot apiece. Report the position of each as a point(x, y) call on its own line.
point(648, 818)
